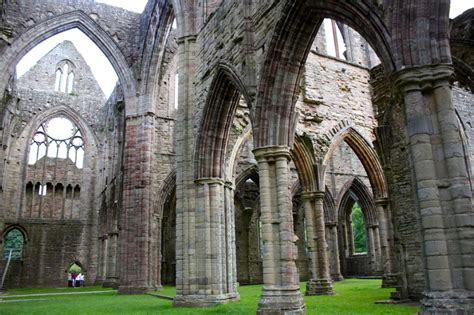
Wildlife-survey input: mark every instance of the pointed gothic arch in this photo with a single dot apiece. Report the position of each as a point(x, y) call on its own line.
point(224, 94)
point(285, 59)
point(353, 191)
point(60, 23)
point(366, 154)
point(160, 25)
point(166, 246)
point(90, 138)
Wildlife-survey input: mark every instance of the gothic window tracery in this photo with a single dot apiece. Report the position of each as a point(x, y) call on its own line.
point(64, 77)
point(57, 138)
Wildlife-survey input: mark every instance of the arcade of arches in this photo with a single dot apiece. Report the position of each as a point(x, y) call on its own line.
point(267, 142)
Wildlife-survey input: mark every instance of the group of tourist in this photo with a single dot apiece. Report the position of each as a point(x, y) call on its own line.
point(75, 279)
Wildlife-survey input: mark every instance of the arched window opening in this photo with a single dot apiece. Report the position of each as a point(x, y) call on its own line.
point(75, 268)
point(334, 41)
point(43, 190)
point(57, 138)
point(57, 82)
point(358, 229)
point(68, 81)
point(64, 77)
point(340, 41)
point(13, 243)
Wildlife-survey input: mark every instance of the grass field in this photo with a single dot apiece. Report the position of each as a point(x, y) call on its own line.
point(353, 296)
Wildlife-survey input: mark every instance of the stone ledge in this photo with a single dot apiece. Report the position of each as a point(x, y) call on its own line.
point(201, 300)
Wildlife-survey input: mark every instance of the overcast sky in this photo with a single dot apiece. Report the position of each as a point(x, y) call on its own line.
point(101, 67)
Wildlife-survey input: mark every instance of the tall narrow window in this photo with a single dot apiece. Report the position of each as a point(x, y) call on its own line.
point(358, 229)
point(57, 138)
point(62, 87)
point(13, 243)
point(58, 80)
point(64, 77)
point(70, 82)
point(334, 41)
point(43, 190)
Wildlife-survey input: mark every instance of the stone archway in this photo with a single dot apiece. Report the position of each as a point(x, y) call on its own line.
point(354, 263)
point(61, 23)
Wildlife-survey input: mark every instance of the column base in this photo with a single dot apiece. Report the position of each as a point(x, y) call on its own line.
point(281, 300)
point(337, 277)
point(111, 282)
point(390, 281)
point(447, 303)
point(203, 300)
point(319, 287)
point(133, 290)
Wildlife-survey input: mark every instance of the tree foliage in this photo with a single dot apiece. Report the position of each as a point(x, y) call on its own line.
point(75, 268)
point(13, 241)
point(358, 229)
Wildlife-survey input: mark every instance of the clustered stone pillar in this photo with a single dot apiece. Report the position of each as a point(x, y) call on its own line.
point(214, 278)
point(111, 276)
point(320, 282)
point(137, 205)
point(389, 279)
point(336, 274)
point(378, 253)
point(372, 253)
point(281, 293)
point(102, 266)
point(442, 189)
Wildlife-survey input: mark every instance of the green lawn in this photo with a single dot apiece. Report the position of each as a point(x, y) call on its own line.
point(353, 296)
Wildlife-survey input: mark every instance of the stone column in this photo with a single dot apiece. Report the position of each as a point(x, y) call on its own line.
point(231, 252)
point(378, 255)
point(111, 276)
point(137, 204)
point(281, 293)
point(350, 236)
point(442, 189)
point(215, 274)
point(102, 259)
point(320, 282)
point(157, 248)
point(371, 250)
point(204, 211)
point(389, 279)
point(336, 275)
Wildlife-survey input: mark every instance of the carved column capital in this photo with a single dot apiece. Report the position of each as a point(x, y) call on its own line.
point(209, 181)
point(230, 185)
point(312, 195)
point(272, 153)
point(422, 78)
point(383, 202)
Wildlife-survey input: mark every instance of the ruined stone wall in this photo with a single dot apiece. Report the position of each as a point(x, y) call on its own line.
point(463, 101)
point(322, 110)
point(111, 139)
point(52, 246)
point(61, 225)
point(42, 76)
point(406, 238)
point(121, 25)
